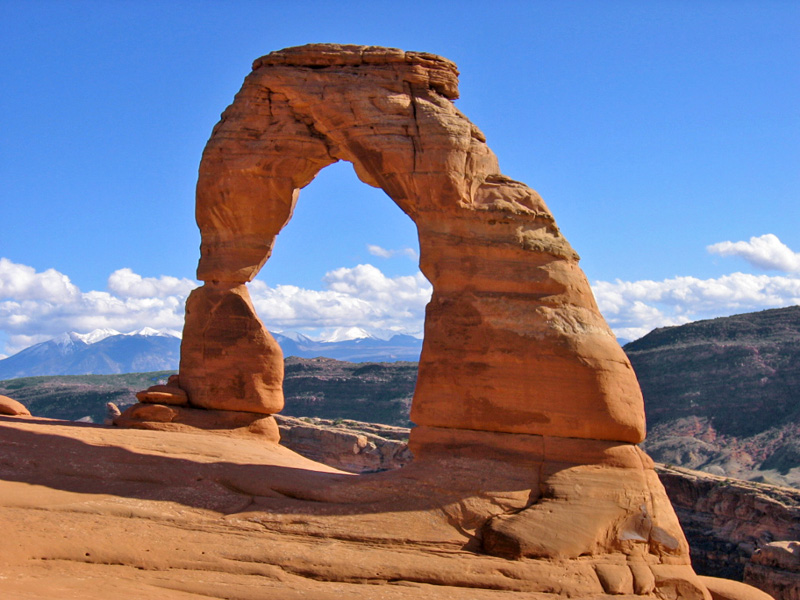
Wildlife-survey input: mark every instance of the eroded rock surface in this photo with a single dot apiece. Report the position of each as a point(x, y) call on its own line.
point(776, 569)
point(727, 520)
point(527, 410)
point(9, 406)
point(513, 339)
point(91, 512)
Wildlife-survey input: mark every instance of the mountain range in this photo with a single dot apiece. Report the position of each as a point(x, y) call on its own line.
point(106, 351)
point(102, 352)
point(352, 345)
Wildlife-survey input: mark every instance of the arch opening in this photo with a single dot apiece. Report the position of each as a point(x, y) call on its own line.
point(513, 340)
point(340, 223)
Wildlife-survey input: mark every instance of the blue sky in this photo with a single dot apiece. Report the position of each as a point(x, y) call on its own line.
point(664, 136)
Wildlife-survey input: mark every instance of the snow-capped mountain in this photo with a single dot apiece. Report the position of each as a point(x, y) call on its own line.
point(150, 332)
point(99, 352)
point(351, 344)
point(346, 334)
point(93, 336)
point(107, 351)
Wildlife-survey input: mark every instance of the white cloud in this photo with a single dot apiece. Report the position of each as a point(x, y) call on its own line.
point(384, 253)
point(633, 308)
point(766, 252)
point(35, 307)
point(22, 282)
point(127, 284)
point(360, 296)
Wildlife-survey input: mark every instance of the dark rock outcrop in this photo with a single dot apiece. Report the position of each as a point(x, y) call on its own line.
point(731, 525)
point(723, 395)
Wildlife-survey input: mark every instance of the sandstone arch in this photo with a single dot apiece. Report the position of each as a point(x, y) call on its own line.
point(527, 409)
point(513, 343)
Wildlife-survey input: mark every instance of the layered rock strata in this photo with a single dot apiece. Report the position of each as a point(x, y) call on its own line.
point(522, 388)
point(351, 446)
point(776, 569)
point(513, 339)
point(739, 529)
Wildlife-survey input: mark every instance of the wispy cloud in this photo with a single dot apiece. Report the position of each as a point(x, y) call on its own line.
point(384, 253)
point(633, 308)
point(766, 252)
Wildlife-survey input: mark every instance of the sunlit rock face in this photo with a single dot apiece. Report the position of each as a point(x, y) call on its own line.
point(513, 338)
point(521, 383)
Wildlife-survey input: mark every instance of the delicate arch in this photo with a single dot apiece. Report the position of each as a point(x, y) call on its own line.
point(513, 339)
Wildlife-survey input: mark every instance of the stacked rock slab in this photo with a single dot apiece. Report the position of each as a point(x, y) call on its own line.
point(517, 366)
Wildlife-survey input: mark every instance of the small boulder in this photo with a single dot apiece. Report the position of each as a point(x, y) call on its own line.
point(112, 412)
point(163, 394)
point(11, 407)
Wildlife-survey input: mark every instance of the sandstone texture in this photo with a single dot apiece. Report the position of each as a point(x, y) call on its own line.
point(725, 520)
point(9, 406)
point(90, 512)
point(229, 361)
point(527, 410)
point(725, 589)
point(513, 339)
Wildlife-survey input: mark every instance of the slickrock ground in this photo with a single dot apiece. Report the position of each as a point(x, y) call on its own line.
point(730, 524)
point(95, 512)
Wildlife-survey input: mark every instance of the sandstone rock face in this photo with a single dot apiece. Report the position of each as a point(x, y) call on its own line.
point(513, 339)
point(526, 407)
point(9, 406)
point(229, 361)
point(170, 417)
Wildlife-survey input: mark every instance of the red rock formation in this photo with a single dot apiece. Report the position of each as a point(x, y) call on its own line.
point(776, 569)
point(9, 406)
point(727, 520)
point(522, 387)
point(513, 339)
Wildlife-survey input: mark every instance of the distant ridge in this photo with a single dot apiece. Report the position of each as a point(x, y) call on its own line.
point(344, 345)
point(109, 352)
point(100, 352)
point(723, 395)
